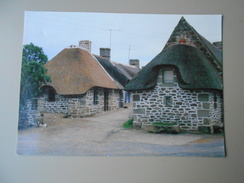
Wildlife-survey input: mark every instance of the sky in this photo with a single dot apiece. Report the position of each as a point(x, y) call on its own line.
point(130, 36)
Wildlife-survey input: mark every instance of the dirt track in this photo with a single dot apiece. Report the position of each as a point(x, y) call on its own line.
point(103, 135)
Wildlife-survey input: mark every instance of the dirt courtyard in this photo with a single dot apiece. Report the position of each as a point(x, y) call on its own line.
point(103, 135)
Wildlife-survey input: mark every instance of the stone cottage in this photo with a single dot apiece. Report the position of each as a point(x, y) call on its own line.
point(121, 73)
point(182, 84)
point(82, 84)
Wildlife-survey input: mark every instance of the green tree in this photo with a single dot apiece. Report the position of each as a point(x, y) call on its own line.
point(33, 72)
point(34, 53)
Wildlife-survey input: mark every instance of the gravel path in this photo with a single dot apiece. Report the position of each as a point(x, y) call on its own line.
point(103, 135)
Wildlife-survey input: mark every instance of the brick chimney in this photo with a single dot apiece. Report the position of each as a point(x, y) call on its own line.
point(135, 62)
point(85, 44)
point(105, 52)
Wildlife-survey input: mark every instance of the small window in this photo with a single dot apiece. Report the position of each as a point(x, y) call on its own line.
point(168, 76)
point(203, 97)
point(95, 97)
point(168, 101)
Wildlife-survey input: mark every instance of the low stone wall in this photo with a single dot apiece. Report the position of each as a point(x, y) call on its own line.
point(29, 116)
point(190, 109)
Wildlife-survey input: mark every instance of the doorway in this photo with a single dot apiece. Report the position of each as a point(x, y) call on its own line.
point(106, 94)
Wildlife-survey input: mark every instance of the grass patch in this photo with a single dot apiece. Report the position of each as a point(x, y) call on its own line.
point(128, 124)
point(164, 124)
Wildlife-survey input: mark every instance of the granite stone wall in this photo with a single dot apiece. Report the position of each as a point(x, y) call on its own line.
point(60, 105)
point(29, 115)
point(80, 105)
point(170, 103)
point(114, 100)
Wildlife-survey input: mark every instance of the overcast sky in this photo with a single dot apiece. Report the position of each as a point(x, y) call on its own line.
point(144, 34)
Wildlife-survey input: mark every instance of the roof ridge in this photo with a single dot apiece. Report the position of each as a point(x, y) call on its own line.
point(186, 34)
point(105, 70)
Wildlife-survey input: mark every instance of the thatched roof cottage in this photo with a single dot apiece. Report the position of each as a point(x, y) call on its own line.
point(183, 84)
point(82, 84)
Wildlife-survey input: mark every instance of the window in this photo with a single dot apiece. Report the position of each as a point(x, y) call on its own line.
point(95, 97)
point(203, 97)
point(168, 76)
point(168, 101)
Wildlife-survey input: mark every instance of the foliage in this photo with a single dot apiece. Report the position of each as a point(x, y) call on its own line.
point(33, 72)
point(128, 124)
point(164, 124)
point(34, 53)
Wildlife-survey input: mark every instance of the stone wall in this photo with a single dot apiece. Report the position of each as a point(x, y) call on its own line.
point(92, 108)
point(79, 105)
point(29, 116)
point(170, 103)
point(60, 105)
point(114, 100)
point(76, 105)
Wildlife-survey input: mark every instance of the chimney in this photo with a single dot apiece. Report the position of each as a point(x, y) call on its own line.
point(135, 62)
point(85, 44)
point(105, 52)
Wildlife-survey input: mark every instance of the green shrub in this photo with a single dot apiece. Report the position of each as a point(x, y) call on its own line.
point(128, 124)
point(165, 124)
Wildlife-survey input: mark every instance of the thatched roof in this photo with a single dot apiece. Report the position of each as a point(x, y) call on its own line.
point(198, 62)
point(128, 71)
point(193, 69)
point(74, 71)
point(120, 79)
point(184, 29)
point(121, 73)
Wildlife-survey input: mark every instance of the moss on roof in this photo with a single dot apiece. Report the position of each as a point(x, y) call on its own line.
point(113, 71)
point(184, 29)
point(193, 69)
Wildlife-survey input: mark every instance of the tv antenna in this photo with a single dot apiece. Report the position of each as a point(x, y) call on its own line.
point(129, 52)
point(110, 36)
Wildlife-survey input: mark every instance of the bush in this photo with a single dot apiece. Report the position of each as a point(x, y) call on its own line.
point(165, 124)
point(128, 124)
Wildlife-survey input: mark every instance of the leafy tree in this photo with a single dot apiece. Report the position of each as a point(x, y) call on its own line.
point(34, 53)
point(33, 72)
